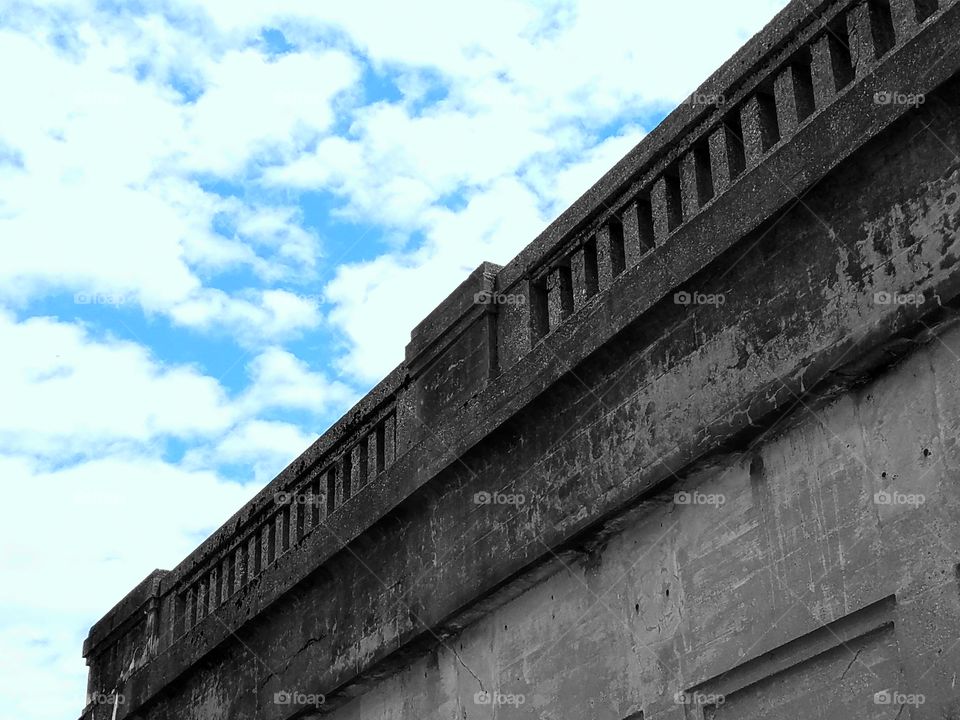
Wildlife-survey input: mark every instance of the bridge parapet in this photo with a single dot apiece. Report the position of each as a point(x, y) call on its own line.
point(776, 86)
point(123, 640)
point(781, 113)
point(168, 605)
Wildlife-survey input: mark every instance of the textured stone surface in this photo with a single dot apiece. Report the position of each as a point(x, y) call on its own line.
point(647, 484)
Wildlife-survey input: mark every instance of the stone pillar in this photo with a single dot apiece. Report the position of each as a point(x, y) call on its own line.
point(605, 263)
point(389, 439)
point(203, 589)
point(793, 91)
point(243, 556)
point(637, 232)
point(559, 295)
point(829, 68)
point(871, 33)
point(759, 122)
point(665, 205)
point(726, 157)
point(696, 185)
point(905, 23)
point(583, 271)
point(358, 465)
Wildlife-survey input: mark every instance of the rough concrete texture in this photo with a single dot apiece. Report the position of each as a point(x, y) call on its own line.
point(715, 478)
point(682, 597)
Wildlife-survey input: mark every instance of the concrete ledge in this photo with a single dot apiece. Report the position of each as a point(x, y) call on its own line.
point(111, 625)
point(445, 323)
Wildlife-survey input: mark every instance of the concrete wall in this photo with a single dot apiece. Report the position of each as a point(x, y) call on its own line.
point(799, 393)
point(839, 596)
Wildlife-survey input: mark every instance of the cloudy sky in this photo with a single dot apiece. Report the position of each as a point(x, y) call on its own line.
point(219, 222)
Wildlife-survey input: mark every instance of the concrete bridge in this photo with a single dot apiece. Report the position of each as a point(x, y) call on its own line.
point(693, 453)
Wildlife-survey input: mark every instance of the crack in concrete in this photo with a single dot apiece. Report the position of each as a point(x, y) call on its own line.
point(476, 677)
point(310, 641)
point(855, 656)
point(264, 682)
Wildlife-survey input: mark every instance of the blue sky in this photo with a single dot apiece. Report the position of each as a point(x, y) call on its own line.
point(219, 222)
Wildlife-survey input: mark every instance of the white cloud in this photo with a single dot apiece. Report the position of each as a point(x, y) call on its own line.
point(266, 447)
point(401, 165)
point(105, 202)
point(252, 105)
point(378, 302)
point(278, 228)
point(258, 315)
point(279, 379)
point(564, 183)
point(110, 522)
point(123, 516)
point(73, 394)
point(76, 394)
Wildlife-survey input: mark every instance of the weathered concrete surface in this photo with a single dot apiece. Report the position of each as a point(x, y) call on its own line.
point(684, 594)
point(798, 591)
